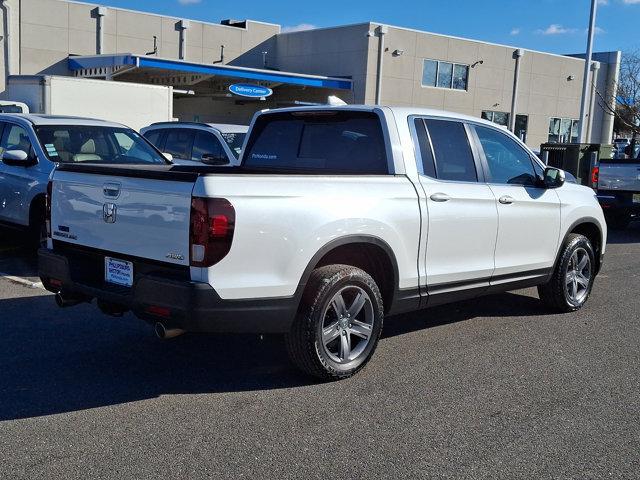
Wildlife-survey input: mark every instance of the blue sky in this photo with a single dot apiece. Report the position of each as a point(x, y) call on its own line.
point(557, 26)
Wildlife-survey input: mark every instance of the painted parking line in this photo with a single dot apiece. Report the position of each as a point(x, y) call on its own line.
point(22, 281)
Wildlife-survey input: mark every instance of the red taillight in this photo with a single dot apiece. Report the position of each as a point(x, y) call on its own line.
point(595, 177)
point(219, 226)
point(158, 311)
point(48, 208)
point(212, 224)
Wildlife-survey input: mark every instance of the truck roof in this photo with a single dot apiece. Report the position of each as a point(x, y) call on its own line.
point(400, 112)
point(39, 119)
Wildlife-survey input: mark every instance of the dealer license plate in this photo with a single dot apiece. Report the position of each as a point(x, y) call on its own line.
point(636, 198)
point(117, 271)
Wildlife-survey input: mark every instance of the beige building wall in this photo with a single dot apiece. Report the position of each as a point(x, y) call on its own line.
point(48, 31)
point(550, 85)
point(335, 52)
point(45, 32)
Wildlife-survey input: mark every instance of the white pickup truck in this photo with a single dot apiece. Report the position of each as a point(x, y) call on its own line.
point(336, 218)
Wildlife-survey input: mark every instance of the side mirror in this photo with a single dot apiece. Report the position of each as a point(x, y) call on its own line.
point(553, 177)
point(168, 156)
point(215, 159)
point(19, 158)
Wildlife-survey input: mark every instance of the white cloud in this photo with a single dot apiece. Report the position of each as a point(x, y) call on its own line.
point(556, 29)
point(515, 31)
point(598, 31)
point(301, 27)
point(188, 2)
point(631, 2)
point(603, 2)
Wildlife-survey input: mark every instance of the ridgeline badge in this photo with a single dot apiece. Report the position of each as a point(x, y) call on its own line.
point(250, 91)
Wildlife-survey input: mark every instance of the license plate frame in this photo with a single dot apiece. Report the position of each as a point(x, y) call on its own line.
point(118, 272)
point(635, 198)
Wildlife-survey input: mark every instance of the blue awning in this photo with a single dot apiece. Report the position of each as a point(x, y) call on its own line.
point(89, 62)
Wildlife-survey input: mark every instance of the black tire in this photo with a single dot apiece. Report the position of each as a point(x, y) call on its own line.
point(556, 293)
point(305, 340)
point(618, 221)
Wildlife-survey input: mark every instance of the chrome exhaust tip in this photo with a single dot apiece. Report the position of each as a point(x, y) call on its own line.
point(165, 333)
point(64, 301)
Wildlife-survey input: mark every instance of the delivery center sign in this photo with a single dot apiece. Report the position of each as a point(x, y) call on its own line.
point(250, 91)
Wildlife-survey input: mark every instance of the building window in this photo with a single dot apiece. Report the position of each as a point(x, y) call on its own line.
point(563, 130)
point(445, 75)
point(502, 118)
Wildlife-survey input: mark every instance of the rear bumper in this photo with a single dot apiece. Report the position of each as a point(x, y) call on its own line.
point(191, 306)
point(621, 202)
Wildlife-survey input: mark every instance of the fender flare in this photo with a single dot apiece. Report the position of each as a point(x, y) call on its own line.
point(342, 241)
point(577, 223)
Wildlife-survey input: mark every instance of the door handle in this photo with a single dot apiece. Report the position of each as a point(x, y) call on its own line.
point(506, 200)
point(440, 197)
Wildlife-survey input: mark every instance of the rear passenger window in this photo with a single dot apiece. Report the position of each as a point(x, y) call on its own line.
point(154, 137)
point(179, 143)
point(318, 142)
point(452, 152)
point(425, 153)
point(206, 143)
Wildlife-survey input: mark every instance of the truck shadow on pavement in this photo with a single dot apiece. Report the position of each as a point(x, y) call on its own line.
point(61, 360)
point(631, 234)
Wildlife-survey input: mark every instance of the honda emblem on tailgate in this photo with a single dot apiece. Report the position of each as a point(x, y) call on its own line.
point(109, 212)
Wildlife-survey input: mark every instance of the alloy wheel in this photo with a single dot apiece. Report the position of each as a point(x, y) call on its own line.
point(578, 276)
point(347, 324)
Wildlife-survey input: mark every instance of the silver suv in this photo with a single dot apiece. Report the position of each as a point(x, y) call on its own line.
point(191, 142)
point(32, 145)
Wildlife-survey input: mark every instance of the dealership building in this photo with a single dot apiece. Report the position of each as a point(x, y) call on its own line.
point(362, 63)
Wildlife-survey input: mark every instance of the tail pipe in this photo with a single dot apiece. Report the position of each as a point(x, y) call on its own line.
point(165, 333)
point(66, 300)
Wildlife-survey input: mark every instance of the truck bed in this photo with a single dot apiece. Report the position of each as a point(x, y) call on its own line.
point(619, 175)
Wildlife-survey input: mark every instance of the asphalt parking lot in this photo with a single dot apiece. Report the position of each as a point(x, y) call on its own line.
point(492, 388)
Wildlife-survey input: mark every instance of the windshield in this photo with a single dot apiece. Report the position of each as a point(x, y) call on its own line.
point(235, 141)
point(96, 144)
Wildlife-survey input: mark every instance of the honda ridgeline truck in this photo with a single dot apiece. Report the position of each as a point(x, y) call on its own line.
point(335, 218)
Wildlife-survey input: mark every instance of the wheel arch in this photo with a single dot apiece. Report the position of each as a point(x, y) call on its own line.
point(37, 202)
point(370, 253)
point(590, 228)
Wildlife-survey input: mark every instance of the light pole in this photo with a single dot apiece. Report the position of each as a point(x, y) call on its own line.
point(582, 130)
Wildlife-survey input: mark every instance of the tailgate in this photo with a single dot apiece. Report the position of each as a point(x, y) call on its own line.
point(619, 176)
point(124, 214)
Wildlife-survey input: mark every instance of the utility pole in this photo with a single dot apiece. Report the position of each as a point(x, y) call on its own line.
point(381, 31)
point(514, 99)
point(582, 129)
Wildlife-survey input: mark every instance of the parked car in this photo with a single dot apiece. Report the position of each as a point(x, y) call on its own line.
point(30, 147)
point(336, 218)
point(189, 142)
point(617, 182)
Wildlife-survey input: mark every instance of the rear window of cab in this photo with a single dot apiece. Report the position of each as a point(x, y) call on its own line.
point(323, 142)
